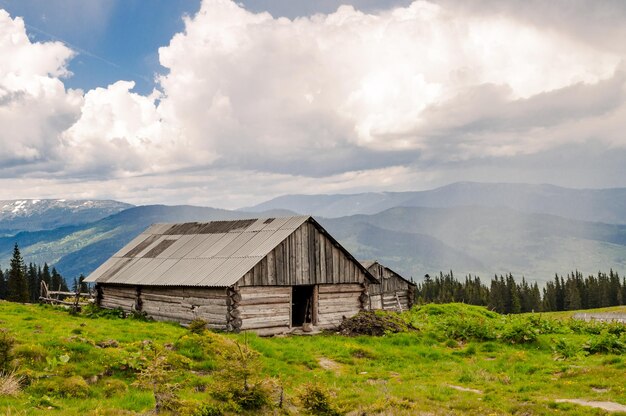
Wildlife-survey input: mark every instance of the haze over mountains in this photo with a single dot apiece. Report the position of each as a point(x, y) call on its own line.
point(466, 227)
point(604, 205)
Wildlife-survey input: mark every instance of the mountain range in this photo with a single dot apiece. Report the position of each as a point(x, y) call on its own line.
point(482, 237)
point(600, 205)
point(45, 214)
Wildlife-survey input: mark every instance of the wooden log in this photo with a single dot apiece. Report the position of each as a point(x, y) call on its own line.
point(266, 332)
point(264, 301)
point(350, 287)
point(252, 324)
point(265, 313)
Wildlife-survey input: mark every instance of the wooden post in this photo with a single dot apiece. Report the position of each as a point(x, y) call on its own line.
point(315, 306)
point(398, 301)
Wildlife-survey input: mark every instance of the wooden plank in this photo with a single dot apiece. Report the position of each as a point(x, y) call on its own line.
point(298, 254)
point(271, 268)
point(322, 260)
point(324, 308)
point(265, 332)
point(340, 295)
point(315, 306)
point(265, 301)
point(306, 277)
point(262, 321)
point(263, 290)
point(316, 254)
point(350, 287)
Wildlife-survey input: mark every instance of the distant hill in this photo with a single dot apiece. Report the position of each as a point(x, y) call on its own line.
point(411, 240)
point(602, 205)
point(82, 248)
point(46, 214)
point(485, 241)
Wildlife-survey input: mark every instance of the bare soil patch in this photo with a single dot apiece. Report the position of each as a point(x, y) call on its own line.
point(608, 406)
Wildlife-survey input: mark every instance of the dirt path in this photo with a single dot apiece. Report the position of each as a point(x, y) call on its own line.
point(460, 388)
point(608, 406)
point(328, 364)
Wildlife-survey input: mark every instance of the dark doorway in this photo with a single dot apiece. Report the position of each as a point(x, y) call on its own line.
point(301, 305)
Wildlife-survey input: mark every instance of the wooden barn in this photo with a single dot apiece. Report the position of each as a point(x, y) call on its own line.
point(394, 292)
point(269, 275)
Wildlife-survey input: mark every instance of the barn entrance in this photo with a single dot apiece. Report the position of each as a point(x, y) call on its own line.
point(301, 305)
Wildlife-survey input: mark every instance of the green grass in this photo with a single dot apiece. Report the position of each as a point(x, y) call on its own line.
point(66, 372)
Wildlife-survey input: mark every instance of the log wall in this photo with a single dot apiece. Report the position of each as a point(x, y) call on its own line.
point(383, 295)
point(124, 297)
point(186, 304)
point(265, 310)
point(338, 301)
point(164, 303)
point(306, 257)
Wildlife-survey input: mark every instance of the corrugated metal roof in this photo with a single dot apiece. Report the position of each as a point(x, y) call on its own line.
point(214, 254)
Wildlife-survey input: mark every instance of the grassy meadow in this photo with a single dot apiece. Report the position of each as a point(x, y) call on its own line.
point(444, 360)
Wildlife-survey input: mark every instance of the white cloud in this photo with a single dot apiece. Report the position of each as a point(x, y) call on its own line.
point(34, 105)
point(253, 105)
point(246, 84)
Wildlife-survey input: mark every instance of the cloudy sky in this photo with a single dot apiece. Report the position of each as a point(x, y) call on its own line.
point(227, 104)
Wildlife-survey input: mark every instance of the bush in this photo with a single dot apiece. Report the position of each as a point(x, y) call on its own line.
point(240, 382)
point(519, 331)
point(208, 410)
point(75, 386)
point(197, 326)
point(605, 342)
point(6, 350)
point(564, 349)
point(316, 400)
point(113, 387)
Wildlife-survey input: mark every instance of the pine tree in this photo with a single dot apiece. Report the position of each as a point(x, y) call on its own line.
point(3, 285)
point(17, 283)
point(57, 282)
point(572, 296)
point(45, 276)
point(33, 283)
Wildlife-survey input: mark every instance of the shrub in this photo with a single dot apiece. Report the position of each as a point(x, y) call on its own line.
point(605, 342)
point(75, 386)
point(564, 349)
point(156, 376)
point(113, 387)
point(518, 331)
point(6, 350)
point(208, 410)
point(316, 400)
point(240, 383)
point(197, 326)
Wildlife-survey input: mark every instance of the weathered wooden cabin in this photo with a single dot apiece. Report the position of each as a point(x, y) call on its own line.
point(269, 275)
point(394, 292)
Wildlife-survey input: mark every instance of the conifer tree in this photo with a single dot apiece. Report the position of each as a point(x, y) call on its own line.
point(45, 276)
point(57, 282)
point(17, 283)
point(3, 285)
point(33, 283)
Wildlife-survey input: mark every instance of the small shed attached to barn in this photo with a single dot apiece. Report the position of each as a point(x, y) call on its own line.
point(394, 292)
point(269, 275)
